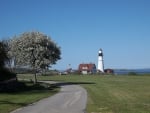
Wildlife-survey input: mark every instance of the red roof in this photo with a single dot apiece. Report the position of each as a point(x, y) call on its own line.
point(86, 67)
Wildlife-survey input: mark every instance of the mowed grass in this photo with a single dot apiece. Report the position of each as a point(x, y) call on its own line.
point(31, 93)
point(112, 94)
point(106, 94)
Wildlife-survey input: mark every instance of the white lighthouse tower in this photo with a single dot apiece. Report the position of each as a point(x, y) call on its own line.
point(100, 61)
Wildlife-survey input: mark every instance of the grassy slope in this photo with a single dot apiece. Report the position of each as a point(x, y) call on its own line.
point(120, 95)
point(109, 94)
point(12, 101)
point(113, 94)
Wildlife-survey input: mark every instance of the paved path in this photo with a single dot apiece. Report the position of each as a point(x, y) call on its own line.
point(71, 99)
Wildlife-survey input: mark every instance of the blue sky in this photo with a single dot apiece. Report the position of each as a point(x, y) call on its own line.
point(81, 27)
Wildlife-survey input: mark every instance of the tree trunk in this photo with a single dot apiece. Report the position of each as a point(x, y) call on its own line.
point(35, 78)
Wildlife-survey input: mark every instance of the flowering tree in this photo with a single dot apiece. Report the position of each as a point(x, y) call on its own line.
point(34, 49)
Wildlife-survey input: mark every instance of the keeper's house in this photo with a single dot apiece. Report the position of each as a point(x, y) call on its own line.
point(87, 68)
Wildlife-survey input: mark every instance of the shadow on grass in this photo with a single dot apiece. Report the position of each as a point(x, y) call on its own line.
point(27, 87)
point(62, 83)
point(14, 103)
point(73, 83)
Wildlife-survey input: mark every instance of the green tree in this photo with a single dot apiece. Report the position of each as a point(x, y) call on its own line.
point(34, 49)
point(3, 54)
point(5, 73)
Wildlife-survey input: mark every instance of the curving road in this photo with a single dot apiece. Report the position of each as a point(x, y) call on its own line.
point(71, 99)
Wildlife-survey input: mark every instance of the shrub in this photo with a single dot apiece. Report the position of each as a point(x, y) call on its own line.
point(5, 74)
point(132, 73)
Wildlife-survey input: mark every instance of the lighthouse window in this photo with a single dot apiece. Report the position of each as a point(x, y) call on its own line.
point(100, 54)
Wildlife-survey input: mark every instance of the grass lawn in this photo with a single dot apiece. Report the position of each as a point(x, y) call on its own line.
point(111, 94)
point(31, 93)
point(106, 94)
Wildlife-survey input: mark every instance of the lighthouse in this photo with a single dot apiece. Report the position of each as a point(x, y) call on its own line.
point(100, 61)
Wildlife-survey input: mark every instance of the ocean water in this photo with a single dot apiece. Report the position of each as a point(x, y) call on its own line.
point(126, 71)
